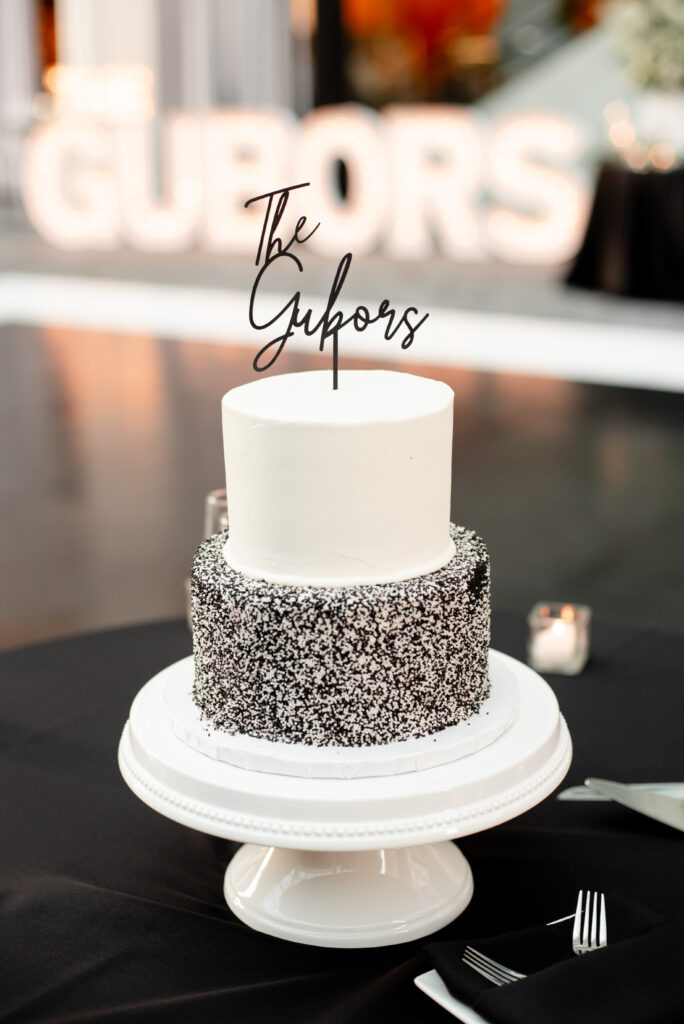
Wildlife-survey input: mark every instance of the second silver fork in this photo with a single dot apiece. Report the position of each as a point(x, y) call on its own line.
point(590, 931)
point(488, 968)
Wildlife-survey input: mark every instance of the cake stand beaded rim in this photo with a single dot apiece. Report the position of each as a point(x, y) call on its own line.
point(396, 820)
point(243, 827)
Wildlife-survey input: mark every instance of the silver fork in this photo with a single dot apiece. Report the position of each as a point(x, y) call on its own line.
point(488, 968)
point(590, 931)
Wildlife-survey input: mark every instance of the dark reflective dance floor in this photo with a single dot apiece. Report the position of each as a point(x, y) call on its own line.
point(109, 443)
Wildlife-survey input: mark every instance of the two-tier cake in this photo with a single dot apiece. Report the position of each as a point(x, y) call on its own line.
point(341, 609)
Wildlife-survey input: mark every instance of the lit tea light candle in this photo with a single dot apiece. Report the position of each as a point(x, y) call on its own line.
point(558, 638)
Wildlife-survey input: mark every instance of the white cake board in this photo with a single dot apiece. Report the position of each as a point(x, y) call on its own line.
point(496, 715)
point(375, 866)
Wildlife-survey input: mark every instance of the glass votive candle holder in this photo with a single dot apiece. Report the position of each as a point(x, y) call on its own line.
point(215, 512)
point(215, 521)
point(558, 637)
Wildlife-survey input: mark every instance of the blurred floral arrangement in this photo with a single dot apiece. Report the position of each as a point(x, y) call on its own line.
point(649, 35)
point(421, 50)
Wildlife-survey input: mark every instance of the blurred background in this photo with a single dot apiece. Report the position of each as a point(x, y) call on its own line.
point(511, 167)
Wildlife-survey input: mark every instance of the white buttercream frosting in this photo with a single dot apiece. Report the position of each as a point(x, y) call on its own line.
point(336, 488)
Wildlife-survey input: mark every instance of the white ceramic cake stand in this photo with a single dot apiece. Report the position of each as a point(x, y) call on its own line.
point(349, 862)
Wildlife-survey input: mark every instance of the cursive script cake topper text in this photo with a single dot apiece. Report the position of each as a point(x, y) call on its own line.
point(329, 324)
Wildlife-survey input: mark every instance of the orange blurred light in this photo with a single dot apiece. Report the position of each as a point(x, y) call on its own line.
point(430, 20)
point(567, 613)
point(50, 78)
point(362, 18)
point(616, 111)
point(622, 134)
point(662, 155)
point(637, 156)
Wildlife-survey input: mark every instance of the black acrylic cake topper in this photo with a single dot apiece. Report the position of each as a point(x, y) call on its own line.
point(272, 248)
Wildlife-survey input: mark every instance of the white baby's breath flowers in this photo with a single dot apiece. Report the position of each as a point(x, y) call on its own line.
point(649, 36)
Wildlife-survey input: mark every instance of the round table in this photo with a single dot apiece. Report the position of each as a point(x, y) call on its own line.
point(113, 909)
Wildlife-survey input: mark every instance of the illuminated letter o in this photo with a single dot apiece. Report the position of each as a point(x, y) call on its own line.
point(354, 136)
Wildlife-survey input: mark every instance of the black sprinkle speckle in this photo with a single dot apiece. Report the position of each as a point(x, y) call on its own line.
point(343, 666)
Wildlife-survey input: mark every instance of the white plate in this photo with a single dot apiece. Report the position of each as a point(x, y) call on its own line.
point(433, 986)
point(301, 760)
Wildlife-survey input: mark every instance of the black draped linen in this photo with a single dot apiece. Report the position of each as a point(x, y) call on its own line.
point(634, 242)
point(110, 912)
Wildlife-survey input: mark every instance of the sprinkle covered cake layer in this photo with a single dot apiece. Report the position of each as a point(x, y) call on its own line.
point(341, 666)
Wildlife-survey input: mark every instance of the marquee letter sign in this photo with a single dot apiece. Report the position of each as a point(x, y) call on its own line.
point(421, 181)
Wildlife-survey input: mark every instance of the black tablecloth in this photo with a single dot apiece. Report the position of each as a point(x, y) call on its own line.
point(111, 912)
point(634, 243)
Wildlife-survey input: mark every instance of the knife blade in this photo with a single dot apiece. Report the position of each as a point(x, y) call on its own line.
point(584, 794)
point(668, 809)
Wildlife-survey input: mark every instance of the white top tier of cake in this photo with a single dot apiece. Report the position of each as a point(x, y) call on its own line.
point(338, 487)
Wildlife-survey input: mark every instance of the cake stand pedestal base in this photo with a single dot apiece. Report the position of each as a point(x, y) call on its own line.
point(348, 862)
point(349, 898)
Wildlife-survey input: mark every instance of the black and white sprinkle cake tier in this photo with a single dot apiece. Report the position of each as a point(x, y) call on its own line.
point(348, 666)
